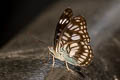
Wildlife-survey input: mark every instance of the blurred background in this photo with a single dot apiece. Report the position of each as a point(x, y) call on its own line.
point(28, 27)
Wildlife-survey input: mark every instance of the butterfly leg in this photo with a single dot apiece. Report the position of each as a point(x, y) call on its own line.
point(67, 66)
point(48, 56)
point(53, 62)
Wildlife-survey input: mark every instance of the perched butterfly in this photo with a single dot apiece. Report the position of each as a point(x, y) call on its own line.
point(71, 40)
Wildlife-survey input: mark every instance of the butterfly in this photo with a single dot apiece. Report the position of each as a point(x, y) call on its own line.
point(71, 41)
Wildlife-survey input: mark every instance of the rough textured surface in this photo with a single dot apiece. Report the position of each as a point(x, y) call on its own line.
point(23, 57)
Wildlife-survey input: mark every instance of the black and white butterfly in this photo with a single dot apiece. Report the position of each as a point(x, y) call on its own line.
point(71, 40)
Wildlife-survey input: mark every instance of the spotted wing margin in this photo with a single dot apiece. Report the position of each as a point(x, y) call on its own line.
point(74, 39)
point(63, 21)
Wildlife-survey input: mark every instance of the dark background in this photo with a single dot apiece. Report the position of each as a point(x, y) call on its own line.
point(28, 27)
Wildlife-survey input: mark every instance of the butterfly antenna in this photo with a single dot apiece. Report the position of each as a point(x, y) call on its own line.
point(37, 39)
point(49, 39)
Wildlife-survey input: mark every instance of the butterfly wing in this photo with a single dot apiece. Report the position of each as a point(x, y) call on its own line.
point(74, 39)
point(63, 21)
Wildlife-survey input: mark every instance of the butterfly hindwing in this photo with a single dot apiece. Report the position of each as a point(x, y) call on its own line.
point(81, 52)
point(63, 21)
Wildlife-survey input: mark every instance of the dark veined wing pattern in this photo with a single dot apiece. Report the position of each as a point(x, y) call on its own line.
point(63, 21)
point(74, 39)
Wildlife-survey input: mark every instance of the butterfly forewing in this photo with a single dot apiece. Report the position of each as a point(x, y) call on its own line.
point(63, 21)
point(74, 39)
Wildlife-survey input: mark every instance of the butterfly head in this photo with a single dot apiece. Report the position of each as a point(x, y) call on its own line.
point(51, 49)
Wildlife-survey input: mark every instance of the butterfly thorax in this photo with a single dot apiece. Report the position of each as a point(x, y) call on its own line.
point(62, 55)
point(67, 58)
point(56, 54)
